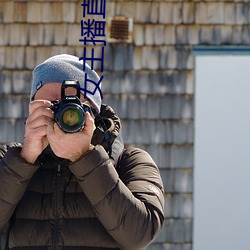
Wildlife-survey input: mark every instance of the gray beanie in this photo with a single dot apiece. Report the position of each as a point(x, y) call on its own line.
point(67, 67)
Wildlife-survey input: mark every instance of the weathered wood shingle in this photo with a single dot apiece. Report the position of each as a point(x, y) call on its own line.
point(20, 12)
point(21, 82)
point(34, 12)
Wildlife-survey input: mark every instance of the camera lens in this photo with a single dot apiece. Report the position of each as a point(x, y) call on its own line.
point(70, 117)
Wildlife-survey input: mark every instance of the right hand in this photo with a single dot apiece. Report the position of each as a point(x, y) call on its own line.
point(35, 141)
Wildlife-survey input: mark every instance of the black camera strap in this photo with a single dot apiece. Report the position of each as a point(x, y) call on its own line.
point(106, 132)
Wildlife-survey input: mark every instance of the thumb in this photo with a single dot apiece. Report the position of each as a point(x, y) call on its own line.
point(89, 124)
point(50, 129)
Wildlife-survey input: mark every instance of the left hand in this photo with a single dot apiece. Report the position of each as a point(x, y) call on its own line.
point(71, 146)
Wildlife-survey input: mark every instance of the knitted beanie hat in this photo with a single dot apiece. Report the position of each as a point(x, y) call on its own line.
point(67, 67)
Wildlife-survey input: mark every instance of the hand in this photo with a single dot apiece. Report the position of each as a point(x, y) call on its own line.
point(71, 146)
point(35, 141)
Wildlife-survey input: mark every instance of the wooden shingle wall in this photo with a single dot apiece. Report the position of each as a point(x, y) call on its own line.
point(150, 82)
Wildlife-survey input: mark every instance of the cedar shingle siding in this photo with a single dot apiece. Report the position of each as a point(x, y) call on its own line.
point(150, 82)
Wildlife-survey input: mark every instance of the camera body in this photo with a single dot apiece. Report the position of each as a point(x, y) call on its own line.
point(70, 112)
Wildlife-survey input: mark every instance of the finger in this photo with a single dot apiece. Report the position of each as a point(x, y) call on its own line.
point(38, 122)
point(37, 132)
point(38, 103)
point(41, 111)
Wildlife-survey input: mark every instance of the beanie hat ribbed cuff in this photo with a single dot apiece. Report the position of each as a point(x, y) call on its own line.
point(67, 67)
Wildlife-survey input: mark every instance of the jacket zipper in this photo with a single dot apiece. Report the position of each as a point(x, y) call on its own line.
point(56, 232)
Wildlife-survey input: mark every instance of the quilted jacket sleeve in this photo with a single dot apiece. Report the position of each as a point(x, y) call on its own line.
point(128, 201)
point(15, 174)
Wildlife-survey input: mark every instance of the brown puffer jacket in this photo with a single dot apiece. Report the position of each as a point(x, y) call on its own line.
point(94, 203)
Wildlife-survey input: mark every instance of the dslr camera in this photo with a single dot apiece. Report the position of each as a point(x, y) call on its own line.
point(70, 112)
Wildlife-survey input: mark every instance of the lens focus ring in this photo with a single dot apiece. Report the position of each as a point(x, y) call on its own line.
point(70, 117)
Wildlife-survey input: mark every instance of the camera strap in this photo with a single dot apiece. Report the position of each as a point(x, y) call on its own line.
point(106, 133)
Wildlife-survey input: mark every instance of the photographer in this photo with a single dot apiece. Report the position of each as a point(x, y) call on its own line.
point(76, 189)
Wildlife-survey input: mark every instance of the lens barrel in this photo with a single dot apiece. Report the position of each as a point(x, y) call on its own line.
point(70, 117)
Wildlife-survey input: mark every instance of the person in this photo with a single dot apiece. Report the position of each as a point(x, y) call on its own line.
point(81, 190)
